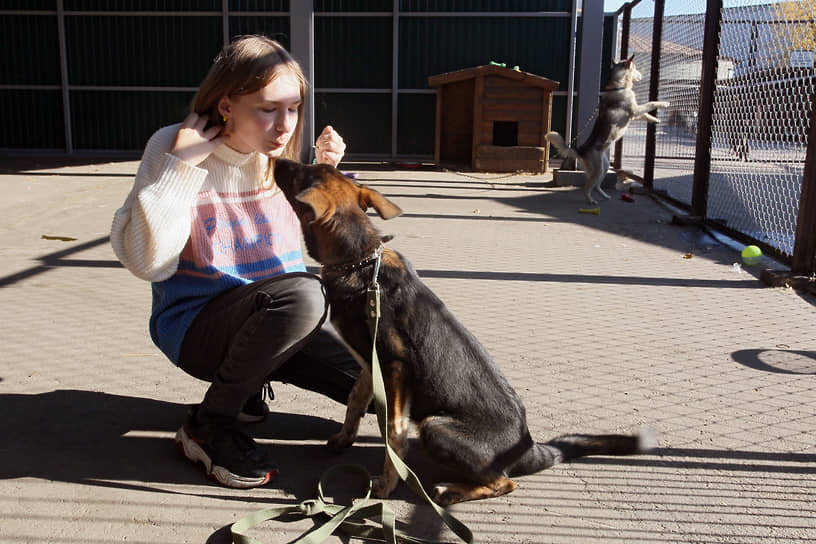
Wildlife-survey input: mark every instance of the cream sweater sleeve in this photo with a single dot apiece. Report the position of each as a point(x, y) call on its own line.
point(153, 225)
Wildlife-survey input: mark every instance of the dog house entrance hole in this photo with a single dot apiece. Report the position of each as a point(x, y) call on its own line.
point(505, 133)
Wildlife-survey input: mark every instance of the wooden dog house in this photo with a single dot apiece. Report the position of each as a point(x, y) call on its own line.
point(493, 118)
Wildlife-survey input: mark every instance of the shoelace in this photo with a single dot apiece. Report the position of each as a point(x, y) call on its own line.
point(266, 392)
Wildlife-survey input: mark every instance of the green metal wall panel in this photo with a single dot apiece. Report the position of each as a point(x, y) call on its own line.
point(142, 5)
point(123, 119)
point(259, 5)
point(364, 120)
point(35, 120)
point(559, 114)
point(143, 51)
point(435, 45)
point(416, 116)
point(353, 5)
point(485, 5)
point(29, 50)
point(30, 4)
point(353, 52)
point(350, 52)
point(276, 28)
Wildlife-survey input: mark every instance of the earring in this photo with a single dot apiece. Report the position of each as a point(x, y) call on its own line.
point(224, 118)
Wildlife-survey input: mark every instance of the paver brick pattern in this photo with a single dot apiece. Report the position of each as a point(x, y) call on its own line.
point(598, 321)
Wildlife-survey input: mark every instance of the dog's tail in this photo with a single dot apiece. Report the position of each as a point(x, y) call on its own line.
point(558, 142)
point(572, 446)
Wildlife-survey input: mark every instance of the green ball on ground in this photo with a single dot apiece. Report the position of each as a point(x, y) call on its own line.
point(751, 255)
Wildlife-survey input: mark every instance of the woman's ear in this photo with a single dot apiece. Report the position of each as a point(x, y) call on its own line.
point(225, 107)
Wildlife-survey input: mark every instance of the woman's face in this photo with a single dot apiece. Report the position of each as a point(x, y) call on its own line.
point(264, 120)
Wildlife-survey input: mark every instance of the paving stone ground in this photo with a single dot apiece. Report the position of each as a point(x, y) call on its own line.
point(598, 320)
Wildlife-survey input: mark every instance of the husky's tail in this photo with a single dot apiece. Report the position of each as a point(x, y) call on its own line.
point(572, 446)
point(558, 142)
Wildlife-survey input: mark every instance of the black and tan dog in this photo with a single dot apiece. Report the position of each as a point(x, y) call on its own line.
point(436, 372)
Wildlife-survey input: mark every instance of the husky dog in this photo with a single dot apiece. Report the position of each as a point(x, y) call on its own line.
point(616, 109)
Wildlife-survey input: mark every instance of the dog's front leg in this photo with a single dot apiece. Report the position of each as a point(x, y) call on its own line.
point(648, 117)
point(398, 401)
point(358, 402)
point(642, 111)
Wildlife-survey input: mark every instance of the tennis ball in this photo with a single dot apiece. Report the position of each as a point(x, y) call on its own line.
point(751, 255)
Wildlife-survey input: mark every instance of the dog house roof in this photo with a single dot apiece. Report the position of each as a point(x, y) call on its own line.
point(492, 70)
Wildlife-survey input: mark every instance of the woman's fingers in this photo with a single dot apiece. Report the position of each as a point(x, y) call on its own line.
point(330, 147)
point(212, 132)
point(193, 143)
point(190, 121)
point(201, 123)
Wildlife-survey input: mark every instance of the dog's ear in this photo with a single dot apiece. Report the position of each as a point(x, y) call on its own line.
point(322, 206)
point(369, 198)
point(630, 59)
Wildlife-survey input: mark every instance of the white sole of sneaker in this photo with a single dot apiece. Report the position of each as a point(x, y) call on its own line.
point(196, 454)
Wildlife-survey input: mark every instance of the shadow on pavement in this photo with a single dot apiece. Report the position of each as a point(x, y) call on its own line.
point(99, 438)
point(58, 259)
point(778, 361)
point(121, 442)
point(715, 459)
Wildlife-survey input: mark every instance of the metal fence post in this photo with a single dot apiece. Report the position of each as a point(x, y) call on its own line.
point(66, 94)
point(301, 30)
point(804, 246)
point(571, 79)
point(624, 53)
point(654, 88)
point(702, 155)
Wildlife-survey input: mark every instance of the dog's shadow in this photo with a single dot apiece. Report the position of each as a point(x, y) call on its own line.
point(97, 438)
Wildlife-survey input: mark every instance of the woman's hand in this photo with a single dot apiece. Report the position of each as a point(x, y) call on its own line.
point(193, 144)
point(329, 147)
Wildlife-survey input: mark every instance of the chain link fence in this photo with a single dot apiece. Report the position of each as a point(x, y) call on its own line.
point(761, 116)
point(761, 107)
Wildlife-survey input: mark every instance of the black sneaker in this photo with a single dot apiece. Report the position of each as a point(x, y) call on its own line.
point(255, 409)
point(230, 457)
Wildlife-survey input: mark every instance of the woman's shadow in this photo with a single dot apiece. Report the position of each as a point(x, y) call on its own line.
point(97, 438)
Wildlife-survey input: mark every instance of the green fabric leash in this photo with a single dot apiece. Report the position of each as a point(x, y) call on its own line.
point(351, 519)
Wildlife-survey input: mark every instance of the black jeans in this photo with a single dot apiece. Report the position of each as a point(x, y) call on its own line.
point(273, 329)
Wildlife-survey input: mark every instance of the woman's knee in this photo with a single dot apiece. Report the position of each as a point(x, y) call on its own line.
point(297, 298)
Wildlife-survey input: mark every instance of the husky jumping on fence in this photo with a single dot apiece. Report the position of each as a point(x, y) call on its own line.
point(616, 109)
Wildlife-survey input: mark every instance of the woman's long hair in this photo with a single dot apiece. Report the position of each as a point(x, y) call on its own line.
point(245, 66)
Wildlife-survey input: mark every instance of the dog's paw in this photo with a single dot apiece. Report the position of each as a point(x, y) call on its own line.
point(340, 441)
point(663, 104)
point(445, 495)
point(381, 487)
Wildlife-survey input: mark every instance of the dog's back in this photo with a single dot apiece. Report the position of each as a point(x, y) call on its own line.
point(616, 109)
point(450, 370)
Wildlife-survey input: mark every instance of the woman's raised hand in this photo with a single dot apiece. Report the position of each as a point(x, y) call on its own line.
point(193, 144)
point(329, 147)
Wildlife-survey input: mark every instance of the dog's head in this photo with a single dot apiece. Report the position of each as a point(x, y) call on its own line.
point(331, 208)
point(623, 74)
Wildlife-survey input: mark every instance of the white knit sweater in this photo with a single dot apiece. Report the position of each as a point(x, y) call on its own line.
point(195, 232)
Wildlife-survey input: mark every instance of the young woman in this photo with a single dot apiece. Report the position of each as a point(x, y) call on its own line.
point(206, 225)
